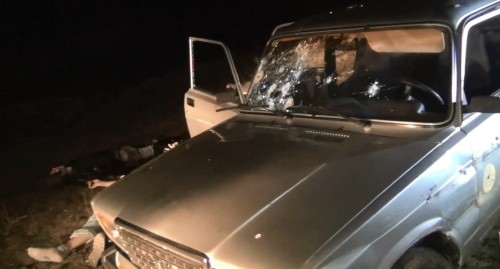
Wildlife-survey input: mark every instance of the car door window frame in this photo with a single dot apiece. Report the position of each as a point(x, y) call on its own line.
point(229, 58)
point(465, 49)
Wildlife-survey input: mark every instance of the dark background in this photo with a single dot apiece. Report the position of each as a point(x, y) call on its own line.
point(84, 76)
point(68, 48)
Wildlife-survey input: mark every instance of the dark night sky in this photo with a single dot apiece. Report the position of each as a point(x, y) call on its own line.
point(64, 48)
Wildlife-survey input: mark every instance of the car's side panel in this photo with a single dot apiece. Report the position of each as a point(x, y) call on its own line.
point(431, 196)
point(484, 133)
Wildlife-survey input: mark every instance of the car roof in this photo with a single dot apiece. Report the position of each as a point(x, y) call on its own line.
point(384, 13)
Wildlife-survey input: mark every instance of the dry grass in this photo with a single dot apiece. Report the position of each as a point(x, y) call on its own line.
point(7, 221)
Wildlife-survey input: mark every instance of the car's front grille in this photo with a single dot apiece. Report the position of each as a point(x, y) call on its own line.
point(148, 252)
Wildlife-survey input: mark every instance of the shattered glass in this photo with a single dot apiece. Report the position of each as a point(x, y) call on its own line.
point(340, 73)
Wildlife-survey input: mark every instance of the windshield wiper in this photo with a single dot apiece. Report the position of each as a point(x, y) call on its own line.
point(264, 107)
point(303, 109)
point(365, 123)
point(243, 106)
point(314, 111)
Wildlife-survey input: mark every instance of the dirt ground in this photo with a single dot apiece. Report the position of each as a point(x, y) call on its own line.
point(488, 254)
point(44, 219)
point(42, 134)
point(47, 133)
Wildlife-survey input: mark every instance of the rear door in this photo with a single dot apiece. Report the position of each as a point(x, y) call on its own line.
point(214, 85)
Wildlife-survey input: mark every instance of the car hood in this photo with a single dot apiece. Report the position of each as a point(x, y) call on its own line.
point(244, 190)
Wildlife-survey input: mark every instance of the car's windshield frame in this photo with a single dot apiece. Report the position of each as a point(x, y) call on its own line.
point(300, 110)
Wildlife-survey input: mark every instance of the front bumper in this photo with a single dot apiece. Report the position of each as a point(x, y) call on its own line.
point(113, 259)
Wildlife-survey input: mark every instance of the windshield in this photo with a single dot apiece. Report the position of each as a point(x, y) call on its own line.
point(401, 75)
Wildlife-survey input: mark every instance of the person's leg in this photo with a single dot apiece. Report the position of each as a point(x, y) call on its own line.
point(97, 249)
point(78, 238)
point(78, 241)
point(57, 254)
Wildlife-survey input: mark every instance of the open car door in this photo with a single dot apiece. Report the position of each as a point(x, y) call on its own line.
point(212, 71)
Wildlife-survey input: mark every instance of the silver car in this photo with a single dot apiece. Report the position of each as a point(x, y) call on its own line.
point(368, 138)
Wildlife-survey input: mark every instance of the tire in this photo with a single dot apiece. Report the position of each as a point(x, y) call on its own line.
point(422, 258)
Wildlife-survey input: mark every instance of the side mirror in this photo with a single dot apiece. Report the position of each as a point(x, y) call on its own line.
point(483, 104)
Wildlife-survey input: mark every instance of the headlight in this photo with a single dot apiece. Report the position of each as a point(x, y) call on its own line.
point(108, 226)
point(217, 264)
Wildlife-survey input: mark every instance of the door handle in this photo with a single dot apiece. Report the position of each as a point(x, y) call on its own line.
point(190, 101)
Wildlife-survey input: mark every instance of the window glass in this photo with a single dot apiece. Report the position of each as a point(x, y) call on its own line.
point(212, 72)
point(395, 74)
point(482, 62)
